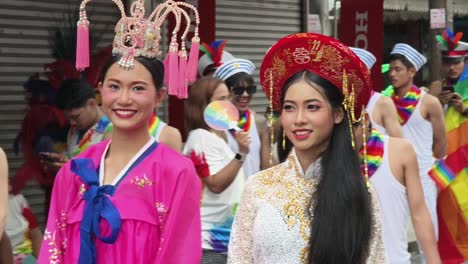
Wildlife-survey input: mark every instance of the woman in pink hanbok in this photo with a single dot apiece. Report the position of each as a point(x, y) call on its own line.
point(128, 199)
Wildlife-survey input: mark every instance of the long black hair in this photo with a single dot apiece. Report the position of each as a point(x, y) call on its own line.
point(342, 219)
point(154, 66)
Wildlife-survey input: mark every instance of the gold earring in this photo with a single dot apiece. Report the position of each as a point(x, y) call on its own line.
point(284, 140)
point(272, 130)
point(364, 146)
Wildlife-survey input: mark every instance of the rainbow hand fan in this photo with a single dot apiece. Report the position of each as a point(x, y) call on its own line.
point(221, 115)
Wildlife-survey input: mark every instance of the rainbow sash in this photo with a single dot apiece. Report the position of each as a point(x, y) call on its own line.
point(375, 152)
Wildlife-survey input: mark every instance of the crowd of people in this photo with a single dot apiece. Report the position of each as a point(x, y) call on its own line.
point(336, 177)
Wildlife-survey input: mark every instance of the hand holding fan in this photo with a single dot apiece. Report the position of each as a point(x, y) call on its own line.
point(222, 115)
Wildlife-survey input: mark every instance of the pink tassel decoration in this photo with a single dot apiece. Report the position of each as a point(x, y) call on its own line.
point(193, 60)
point(82, 45)
point(182, 79)
point(172, 68)
point(166, 72)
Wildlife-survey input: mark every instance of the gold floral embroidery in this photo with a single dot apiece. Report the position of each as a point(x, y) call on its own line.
point(56, 249)
point(291, 195)
point(142, 182)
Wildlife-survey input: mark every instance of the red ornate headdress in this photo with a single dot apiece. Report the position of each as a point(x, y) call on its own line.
point(138, 36)
point(322, 55)
point(319, 54)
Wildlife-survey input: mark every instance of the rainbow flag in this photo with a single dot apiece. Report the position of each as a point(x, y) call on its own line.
point(462, 85)
point(451, 175)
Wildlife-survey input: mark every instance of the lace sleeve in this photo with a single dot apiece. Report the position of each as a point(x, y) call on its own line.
point(240, 249)
point(376, 246)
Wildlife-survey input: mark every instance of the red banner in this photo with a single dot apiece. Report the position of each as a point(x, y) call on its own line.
point(361, 26)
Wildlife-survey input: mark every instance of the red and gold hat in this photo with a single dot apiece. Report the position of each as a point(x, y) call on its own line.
point(321, 55)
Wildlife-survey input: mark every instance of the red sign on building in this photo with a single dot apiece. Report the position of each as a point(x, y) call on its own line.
point(361, 26)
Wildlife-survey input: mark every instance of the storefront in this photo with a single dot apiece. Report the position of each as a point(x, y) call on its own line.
point(249, 26)
point(24, 49)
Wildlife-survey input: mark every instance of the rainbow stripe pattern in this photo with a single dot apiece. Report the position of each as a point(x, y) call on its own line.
point(451, 175)
point(221, 115)
point(375, 152)
point(406, 104)
point(245, 122)
point(153, 125)
point(101, 127)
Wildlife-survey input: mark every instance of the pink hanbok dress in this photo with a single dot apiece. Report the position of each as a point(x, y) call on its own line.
point(149, 214)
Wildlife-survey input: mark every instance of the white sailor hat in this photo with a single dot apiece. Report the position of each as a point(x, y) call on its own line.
point(411, 54)
point(206, 61)
point(365, 56)
point(234, 66)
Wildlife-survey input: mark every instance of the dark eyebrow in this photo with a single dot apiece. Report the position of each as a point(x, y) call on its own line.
point(306, 101)
point(139, 82)
point(114, 80)
point(313, 101)
point(133, 83)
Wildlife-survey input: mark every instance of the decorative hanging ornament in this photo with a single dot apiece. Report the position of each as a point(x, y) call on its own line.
point(137, 36)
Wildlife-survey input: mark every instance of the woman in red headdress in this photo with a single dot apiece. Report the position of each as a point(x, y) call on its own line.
point(316, 206)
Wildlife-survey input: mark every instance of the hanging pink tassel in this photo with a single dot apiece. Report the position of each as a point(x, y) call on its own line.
point(82, 45)
point(182, 79)
point(166, 72)
point(172, 68)
point(193, 61)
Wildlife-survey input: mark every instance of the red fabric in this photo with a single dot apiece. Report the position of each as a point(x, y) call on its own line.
point(61, 70)
point(319, 54)
point(38, 118)
point(201, 166)
point(454, 53)
point(447, 249)
point(30, 217)
point(362, 26)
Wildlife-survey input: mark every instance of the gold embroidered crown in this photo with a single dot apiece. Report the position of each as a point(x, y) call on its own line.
point(136, 36)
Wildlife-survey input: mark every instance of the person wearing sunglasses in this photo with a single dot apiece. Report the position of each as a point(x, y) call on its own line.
point(237, 75)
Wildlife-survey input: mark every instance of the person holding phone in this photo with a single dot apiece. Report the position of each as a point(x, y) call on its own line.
point(127, 199)
point(450, 91)
point(88, 123)
point(453, 95)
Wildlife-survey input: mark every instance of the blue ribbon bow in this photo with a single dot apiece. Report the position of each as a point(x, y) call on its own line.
point(97, 206)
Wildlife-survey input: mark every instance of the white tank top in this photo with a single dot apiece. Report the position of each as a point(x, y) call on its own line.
point(252, 161)
point(419, 132)
point(159, 129)
point(370, 107)
point(394, 211)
